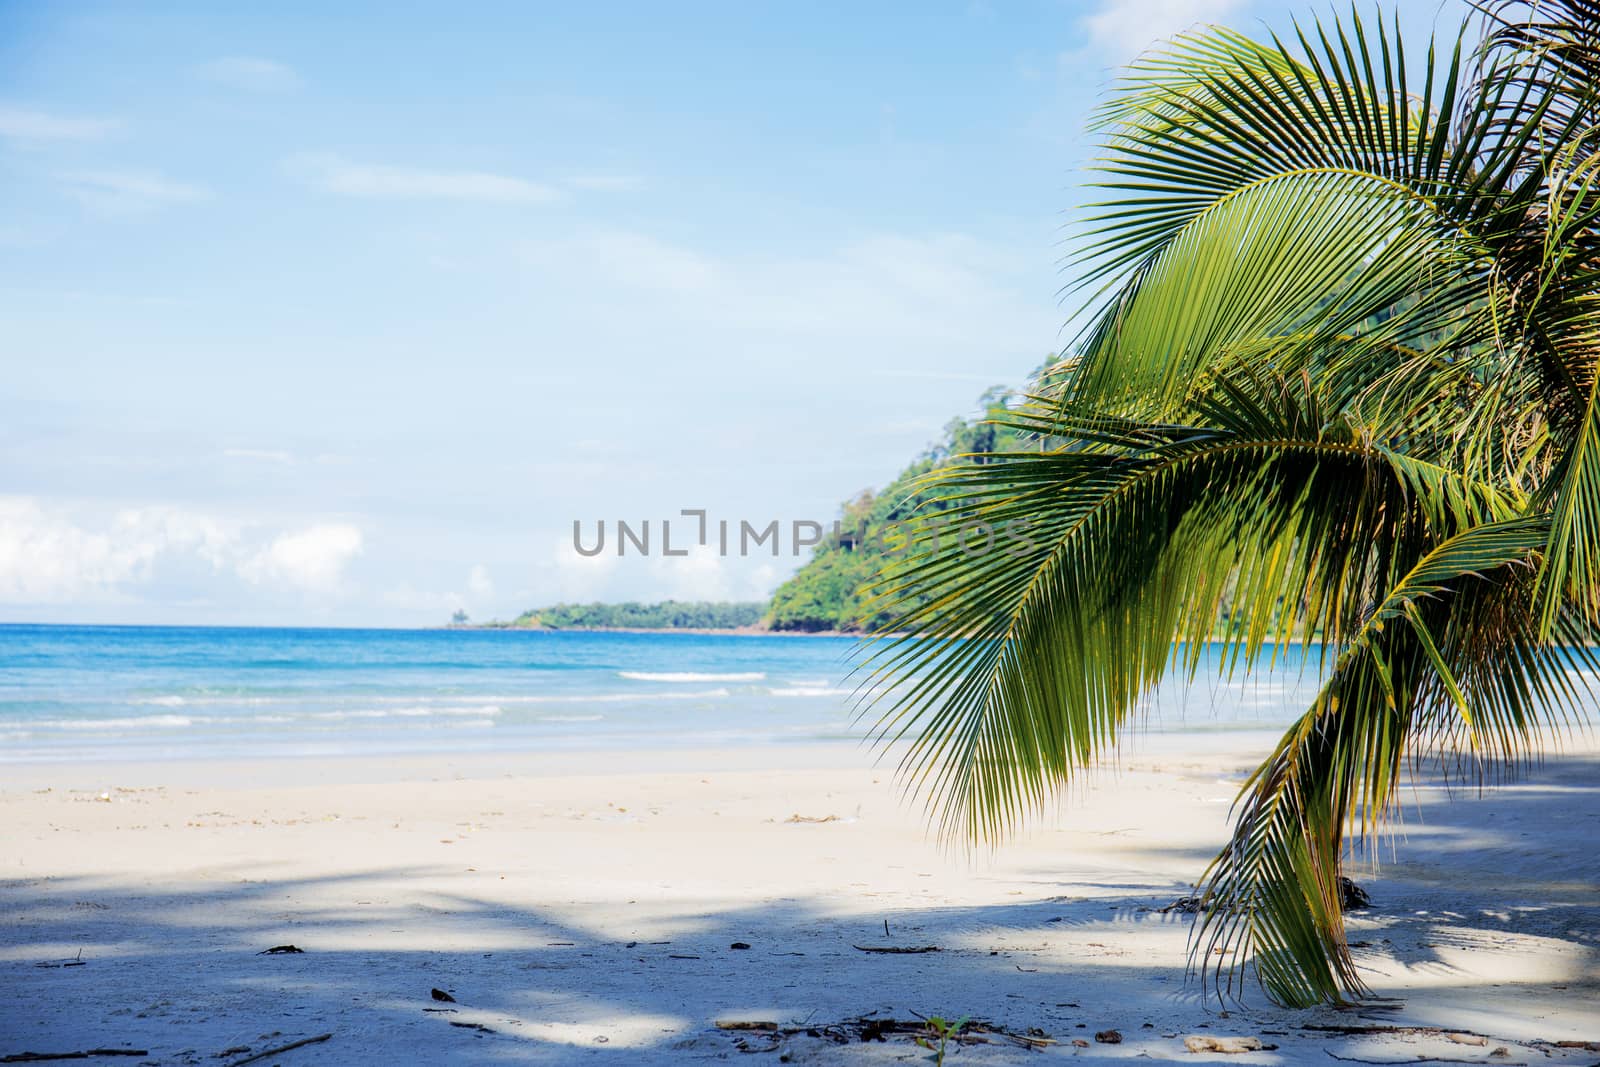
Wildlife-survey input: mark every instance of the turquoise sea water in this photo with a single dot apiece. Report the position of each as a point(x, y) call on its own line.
point(101, 692)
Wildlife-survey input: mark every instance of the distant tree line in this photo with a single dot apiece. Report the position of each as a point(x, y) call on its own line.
point(666, 615)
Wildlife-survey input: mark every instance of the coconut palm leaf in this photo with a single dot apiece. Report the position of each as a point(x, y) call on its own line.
point(1343, 386)
point(1129, 547)
point(1485, 685)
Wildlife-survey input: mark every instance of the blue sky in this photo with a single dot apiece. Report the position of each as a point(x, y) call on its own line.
point(342, 314)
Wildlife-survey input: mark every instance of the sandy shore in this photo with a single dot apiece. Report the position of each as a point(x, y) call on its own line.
point(585, 907)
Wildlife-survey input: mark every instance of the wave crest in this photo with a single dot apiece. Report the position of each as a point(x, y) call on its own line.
point(692, 676)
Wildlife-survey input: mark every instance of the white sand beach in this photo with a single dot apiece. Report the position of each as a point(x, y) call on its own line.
point(586, 908)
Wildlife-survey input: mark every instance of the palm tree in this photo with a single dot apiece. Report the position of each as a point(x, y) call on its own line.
point(1340, 387)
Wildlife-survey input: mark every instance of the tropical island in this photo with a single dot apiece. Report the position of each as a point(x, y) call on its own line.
point(632, 615)
point(829, 594)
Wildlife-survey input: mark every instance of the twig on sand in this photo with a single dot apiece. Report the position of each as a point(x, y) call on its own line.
point(281, 1048)
point(896, 950)
point(1184, 906)
point(1386, 1028)
point(1425, 1059)
point(35, 1057)
point(76, 961)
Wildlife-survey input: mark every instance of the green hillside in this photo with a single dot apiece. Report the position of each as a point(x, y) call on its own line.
point(827, 593)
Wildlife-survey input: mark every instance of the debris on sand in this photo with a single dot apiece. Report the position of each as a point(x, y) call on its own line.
point(290, 1047)
point(1206, 1043)
point(1351, 896)
point(766, 1036)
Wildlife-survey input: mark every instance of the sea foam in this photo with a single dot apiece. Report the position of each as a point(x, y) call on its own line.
point(692, 676)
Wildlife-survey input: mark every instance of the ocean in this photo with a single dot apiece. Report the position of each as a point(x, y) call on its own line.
point(147, 692)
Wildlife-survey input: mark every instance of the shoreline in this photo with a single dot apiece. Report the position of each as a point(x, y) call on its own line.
point(1238, 750)
point(577, 755)
point(704, 631)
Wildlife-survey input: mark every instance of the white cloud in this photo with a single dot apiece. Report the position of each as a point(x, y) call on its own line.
point(46, 557)
point(50, 555)
point(251, 73)
point(120, 192)
point(27, 125)
point(408, 598)
point(574, 576)
point(313, 559)
point(1121, 29)
point(705, 575)
point(380, 182)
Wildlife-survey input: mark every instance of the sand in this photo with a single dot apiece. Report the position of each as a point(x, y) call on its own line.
point(584, 907)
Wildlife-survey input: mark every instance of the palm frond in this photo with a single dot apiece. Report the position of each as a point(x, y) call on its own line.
point(1272, 896)
point(1025, 660)
point(1343, 386)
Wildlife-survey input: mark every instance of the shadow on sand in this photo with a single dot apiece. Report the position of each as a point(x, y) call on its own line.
point(176, 968)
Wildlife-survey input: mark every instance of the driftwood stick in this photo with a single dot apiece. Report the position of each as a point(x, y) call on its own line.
point(35, 1057)
point(896, 950)
point(281, 1048)
point(1386, 1028)
point(1426, 1059)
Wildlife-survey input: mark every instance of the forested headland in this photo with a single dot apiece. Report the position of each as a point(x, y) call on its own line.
point(631, 615)
point(829, 594)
